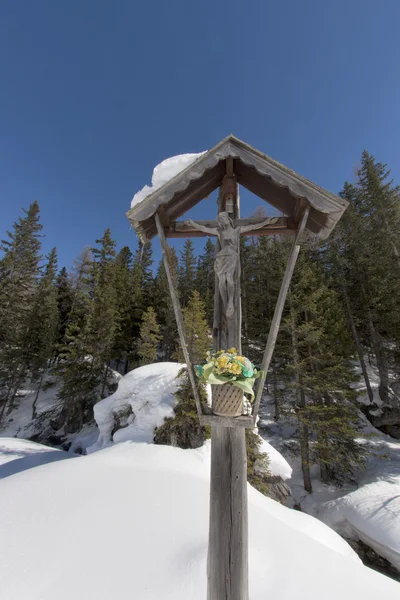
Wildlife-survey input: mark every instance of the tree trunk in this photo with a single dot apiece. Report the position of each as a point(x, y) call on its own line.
point(357, 343)
point(34, 414)
point(378, 351)
point(301, 403)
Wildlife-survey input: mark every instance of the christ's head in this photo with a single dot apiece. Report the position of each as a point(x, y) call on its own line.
point(224, 220)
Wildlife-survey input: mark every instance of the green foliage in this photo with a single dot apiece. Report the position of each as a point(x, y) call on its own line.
point(205, 279)
point(257, 463)
point(186, 273)
point(184, 429)
point(196, 330)
point(149, 337)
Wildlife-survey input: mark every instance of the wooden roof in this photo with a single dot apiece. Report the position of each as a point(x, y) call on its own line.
point(273, 182)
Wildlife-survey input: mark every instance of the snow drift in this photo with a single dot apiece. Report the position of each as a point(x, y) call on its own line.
point(145, 398)
point(137, 528)
point(370, 514)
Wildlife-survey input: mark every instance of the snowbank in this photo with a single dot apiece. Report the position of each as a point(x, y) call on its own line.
point(370, 514)
point(147, 394)
point(163, 172)
point(137, 528)
point(18, 455)
point(277, 464)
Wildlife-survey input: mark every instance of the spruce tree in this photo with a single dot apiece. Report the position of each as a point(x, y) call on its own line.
point(196, 330)
point(149, 337)
point(19, 275)
point(186, 272)
point(164, 308)
point(65, 296)
point(205, 279)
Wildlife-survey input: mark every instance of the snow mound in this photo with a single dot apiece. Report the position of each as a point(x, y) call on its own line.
point(163, 172)
point(145, 395)
point(18, 455)
point(277, 464)
point(370, 514)
point(138, 529)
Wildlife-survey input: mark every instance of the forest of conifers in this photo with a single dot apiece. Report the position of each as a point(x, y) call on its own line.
point(112, 310)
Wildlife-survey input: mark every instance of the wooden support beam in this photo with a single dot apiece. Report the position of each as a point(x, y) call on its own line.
point(216, 421)
point(227, 569)
point(177, 311)
point(276, 320)
point(275, 226)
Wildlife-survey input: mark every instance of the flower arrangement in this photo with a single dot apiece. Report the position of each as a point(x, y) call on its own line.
point(227, 366)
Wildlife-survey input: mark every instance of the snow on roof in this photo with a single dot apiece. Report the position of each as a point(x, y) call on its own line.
point(163, 172)
point(132, 522)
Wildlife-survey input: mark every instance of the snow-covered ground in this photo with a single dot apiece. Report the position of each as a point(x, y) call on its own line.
point(366, 509)
point(137, 528)
point(17, 455)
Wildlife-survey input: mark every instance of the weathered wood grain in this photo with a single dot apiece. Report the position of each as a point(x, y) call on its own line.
point(227, 568)
point(216, 421)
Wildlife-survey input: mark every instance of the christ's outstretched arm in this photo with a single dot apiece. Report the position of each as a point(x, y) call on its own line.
point(208, 230)
point(268, 221)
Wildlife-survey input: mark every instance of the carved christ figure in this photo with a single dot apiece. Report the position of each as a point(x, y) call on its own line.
point(227, 259)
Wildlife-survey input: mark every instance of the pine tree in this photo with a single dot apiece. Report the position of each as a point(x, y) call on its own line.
point(64, 303)
point(186, 272)
point(149, 337)
point(125, 298)
point(164, 308)
point(39, 338)
point(322, 371)
point(196, 330)
point(103, 318)
point(205, 279)
point(19, 274)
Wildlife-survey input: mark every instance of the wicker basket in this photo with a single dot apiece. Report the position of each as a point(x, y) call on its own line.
point(227, 400)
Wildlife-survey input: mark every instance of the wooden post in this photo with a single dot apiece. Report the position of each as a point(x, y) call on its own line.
point(227, 568)
point(276, 319)
point(178, 312)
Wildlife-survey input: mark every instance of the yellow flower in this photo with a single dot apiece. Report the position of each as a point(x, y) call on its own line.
point(236, 369)
point(232, 351)
point(222, 361)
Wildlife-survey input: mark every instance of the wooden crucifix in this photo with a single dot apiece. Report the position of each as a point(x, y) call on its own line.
point(227, 567)
point(305, 203)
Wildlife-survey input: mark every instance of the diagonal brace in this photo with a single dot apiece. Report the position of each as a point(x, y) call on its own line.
point(276, 320)
point(178, 312)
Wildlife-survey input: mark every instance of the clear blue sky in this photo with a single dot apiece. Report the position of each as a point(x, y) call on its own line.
point(94, 93)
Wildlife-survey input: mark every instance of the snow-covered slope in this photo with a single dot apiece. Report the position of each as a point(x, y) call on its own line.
point(371, 514)
point(138, 529)
point(166, 170)
point(17, 455)
point(144, 398)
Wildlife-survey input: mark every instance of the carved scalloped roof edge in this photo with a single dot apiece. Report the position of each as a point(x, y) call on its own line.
point(320, 199)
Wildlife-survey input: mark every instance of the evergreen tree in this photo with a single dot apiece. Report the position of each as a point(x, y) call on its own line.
point(196, 330)
point(149, 337)
point(65, 297)
point(164, 308)
point(39, 338)
point(103, 308)
point(19, 274)
point(205, 279)
point(183, 429)
point(186, 272)
point(322, 371)
point(125, 298)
